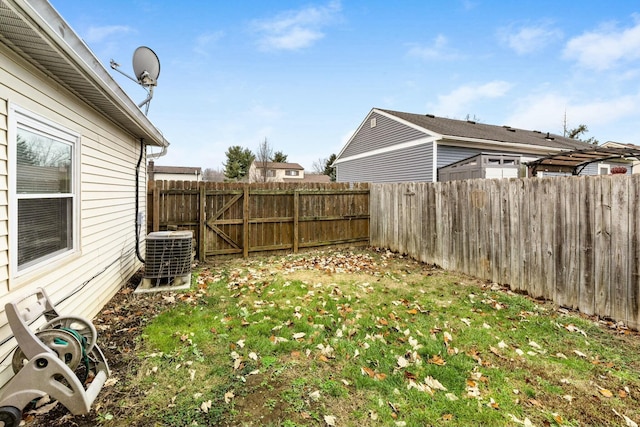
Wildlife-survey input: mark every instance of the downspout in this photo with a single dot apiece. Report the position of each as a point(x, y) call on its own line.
point(142, 150)
point(138, 225)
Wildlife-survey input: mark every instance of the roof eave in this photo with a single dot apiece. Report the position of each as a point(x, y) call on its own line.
point(56, 32)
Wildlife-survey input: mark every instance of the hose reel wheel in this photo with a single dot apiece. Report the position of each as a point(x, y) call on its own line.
point(78, 324)
point(64, 343)
point(10, 416)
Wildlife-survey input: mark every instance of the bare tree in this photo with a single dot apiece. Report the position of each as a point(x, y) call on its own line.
point(263, 158)
point(213, 175)
point(318, 165)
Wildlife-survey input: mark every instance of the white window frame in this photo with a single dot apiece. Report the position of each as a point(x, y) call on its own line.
point(292, 172)
point(604, 166)
point(23, 118)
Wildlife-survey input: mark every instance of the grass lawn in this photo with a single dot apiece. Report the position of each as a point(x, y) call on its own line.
point(368, 338)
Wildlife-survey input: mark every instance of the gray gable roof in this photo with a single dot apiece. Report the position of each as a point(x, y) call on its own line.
point(455, 129)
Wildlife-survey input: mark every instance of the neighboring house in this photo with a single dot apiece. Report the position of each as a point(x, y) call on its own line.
point(316, 177)
point(392, 146)
point(632, 164)
point(72, 168)
point(173, 173)
point(275, 172)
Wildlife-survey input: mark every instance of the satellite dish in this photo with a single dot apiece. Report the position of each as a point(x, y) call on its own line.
point(146, 66)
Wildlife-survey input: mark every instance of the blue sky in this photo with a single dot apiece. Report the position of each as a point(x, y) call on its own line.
point(304, 75)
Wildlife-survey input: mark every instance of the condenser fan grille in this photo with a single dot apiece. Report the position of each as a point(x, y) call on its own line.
point(168, 254)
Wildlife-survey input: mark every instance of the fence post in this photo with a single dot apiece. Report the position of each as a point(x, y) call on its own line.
point(202, 247)
point(245, 222)
point(296, 215)
point(156, 207)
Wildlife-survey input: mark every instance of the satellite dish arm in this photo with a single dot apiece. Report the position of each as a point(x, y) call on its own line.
point(115, 66)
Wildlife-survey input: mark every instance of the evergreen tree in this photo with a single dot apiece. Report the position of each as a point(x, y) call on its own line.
point(279, 157)
point(328, 170)
point(238, 162)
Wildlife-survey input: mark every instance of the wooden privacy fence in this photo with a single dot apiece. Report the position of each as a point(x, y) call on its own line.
point(573, 240)
point(237, 218)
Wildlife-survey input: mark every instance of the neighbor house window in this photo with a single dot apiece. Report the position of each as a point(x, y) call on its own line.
point(271, 172)
point(44, 185)
point(291, 173)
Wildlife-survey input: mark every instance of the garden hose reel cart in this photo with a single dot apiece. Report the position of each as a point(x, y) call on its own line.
point(56, 359)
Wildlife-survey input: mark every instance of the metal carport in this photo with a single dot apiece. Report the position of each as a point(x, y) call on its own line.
point(575, 161)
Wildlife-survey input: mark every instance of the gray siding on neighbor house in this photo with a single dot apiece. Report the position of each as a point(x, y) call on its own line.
point(386, 133)
point(410, 164)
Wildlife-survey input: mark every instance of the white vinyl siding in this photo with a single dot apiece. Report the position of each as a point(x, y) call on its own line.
point(105, 258)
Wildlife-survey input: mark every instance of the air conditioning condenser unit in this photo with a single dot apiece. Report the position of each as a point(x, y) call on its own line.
point(168, 259)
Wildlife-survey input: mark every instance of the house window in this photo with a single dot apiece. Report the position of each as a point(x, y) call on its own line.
point(44, 188)
point(290, 172)
point(374, 122)
point(604, 169)
point(271, 172)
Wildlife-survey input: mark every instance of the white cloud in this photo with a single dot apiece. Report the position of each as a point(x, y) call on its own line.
point(99, 34)
point(605, 47)
point(528, 39)
point(546, 112)
point(296, 29)
point(460, 101)
point(205, 41)
point(438, 50)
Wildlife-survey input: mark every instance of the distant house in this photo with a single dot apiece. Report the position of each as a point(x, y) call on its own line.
point(632, 164)
point(173, 173)
point(72, 165)
point(275, 172)
point(316, 177)
point(392, 146)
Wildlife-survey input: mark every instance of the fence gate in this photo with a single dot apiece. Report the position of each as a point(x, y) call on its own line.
point(224, 222)
point(238, 218)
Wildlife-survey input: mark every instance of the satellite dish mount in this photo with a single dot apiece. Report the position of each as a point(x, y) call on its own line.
point(146, 68)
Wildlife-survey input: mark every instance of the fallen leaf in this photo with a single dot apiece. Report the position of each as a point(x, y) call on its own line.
point(437, 360)
point(605, 392)
point(402, 362)
point(447, 337)
point(206, 406)
point(111, 381)
point(380, 376)
point(447, 417)
point(228, 396)
point(434, 383)
point(367, 371)
point(330, 420)
point(299, 335)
